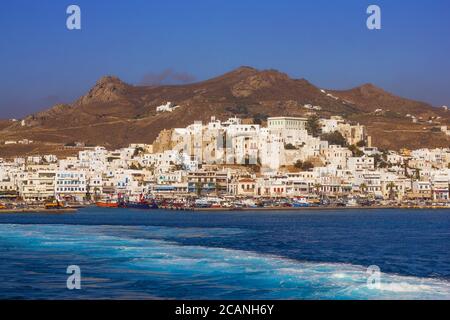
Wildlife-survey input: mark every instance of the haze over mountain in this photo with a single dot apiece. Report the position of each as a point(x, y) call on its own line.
point(114, 113)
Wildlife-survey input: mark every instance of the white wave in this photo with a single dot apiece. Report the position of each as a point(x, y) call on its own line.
point(404, 287)
point(239, 270)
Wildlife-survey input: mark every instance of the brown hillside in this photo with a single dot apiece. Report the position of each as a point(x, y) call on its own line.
point(114, 113)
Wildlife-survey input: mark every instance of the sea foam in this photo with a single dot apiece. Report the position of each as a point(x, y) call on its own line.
point(118, 261)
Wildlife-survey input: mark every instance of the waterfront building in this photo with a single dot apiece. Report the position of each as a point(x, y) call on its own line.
point(207, 182)
point(70, 185)
point(37, 186)
point(440, 187)
point(245, 187)
point(421, 190)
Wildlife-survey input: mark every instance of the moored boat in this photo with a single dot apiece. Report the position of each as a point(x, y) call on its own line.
point(202, 203)
point(136, 205)
point(107, 204)
point(301, 203)
point(55, 204)
point(141, 203)
point(351, 202)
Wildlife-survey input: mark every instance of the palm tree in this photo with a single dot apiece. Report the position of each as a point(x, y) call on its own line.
point(406, 167)
point(96, 193)
point(317, 187)
point(217, 188)
point(391, 186)
point(417, 174)
point(198, 188)
point(88, 193)
point(363, 187)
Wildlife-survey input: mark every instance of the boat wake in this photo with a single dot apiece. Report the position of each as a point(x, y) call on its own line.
point(141, 262)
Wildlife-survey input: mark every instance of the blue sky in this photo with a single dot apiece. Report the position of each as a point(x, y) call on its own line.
point(324, 41)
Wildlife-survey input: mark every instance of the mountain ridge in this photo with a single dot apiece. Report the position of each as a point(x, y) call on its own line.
point(114, 113)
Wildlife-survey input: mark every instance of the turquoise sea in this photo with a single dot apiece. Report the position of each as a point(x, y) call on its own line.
point(157, 254)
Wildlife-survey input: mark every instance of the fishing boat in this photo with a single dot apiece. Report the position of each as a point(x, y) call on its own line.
point(249, 203)
point(140, 205)
point(300, 203)
point(53, 204)
point(202, 203)
point(352, 202)
point(107, 204)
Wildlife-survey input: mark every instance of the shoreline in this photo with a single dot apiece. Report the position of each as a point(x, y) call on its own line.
point(307, 208)
point(283, 209)
point(38, 210)
point(313, 208)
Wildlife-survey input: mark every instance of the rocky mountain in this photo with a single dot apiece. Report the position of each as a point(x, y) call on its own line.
point(114, 113)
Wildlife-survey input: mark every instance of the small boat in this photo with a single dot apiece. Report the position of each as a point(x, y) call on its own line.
point(107, 204)
point(351, 202)
point(136, 205)
point(139, 205)
point(2, 206)
point(202, 203)
point(300, 203)
point(55, 204)
point(248, 203)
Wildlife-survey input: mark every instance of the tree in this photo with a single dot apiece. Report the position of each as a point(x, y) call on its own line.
point(334, 138)
point(217, 187)
point(289, 146)
point(238, 109)
point(363, 187)
point(138, 151)
point(377, 160)
point(304, 166)
point(96, 194)
point(88, 193)
point(134, 166)
point(383, 164)
point(356, 151)
point(198, 188)
point(417, 174)
point(361, 144)
point(307, 165)
point(259, 118)
point(178, 167)
point(313, 126)
point(298, 164)
point(406, 167)
point(317, 187)
point(391, 186)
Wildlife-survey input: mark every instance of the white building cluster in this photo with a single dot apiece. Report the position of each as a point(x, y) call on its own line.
point(237, 159)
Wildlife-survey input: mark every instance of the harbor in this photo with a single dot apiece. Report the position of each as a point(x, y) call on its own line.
point(231, 204)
